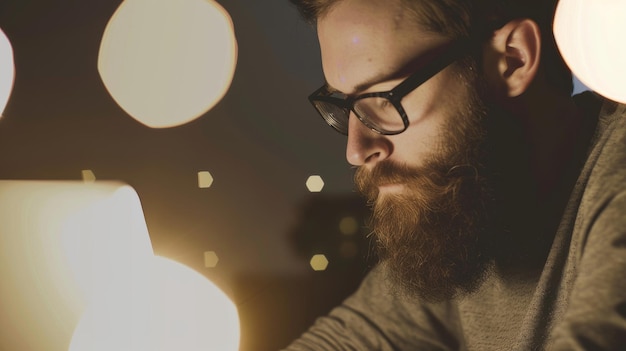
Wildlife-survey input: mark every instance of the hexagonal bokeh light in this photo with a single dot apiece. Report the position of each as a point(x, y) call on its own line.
point(315, 183)
point(205, 179)
point(88, 176)
point(7, 71)
point(588, 34)
point(168, 62)
point(319, 262)
point(211, 259)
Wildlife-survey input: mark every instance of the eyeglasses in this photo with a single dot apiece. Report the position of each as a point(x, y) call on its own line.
point(382, 112)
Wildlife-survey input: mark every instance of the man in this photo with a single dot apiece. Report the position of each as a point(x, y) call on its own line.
point(499, 202)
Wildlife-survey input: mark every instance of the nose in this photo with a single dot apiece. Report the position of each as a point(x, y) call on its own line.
point(365, 147)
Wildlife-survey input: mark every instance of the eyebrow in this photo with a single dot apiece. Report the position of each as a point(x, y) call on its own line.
point(361, 87)
point(420, 61)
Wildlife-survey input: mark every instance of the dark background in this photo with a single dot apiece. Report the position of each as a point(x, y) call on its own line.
point(260, 143)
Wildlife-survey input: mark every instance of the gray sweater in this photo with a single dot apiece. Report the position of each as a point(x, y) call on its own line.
point(576, 302)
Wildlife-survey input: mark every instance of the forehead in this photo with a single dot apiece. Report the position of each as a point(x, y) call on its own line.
point(363, 41)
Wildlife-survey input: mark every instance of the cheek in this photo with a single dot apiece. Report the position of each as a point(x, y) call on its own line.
point(430, 108)
point(435, 98)
point(417, 143)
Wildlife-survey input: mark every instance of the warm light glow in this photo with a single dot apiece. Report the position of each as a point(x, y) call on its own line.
point(78, 270)
point(315, 184)
point(169, 308)
point(168, 62)
point(7, 71)
point(319, 262)
point(205, 179)
point(61, 243)
point(589, 34)
point(106, 243)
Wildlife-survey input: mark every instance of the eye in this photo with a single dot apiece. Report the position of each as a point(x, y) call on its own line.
point(384, 103)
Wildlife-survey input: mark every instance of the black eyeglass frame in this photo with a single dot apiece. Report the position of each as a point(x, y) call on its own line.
point(449, 55)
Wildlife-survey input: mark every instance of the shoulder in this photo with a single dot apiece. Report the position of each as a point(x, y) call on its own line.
point(596, 266)
point(604, 174)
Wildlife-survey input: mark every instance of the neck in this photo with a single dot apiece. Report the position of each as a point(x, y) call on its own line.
point(538, 151)
point(554, 128)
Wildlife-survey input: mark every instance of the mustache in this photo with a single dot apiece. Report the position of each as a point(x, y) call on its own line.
point(386, 172)
point(368, 181)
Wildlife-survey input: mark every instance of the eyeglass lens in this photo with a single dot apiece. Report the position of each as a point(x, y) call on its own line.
point(335, 116)
point(380, 114)
point(375, 112)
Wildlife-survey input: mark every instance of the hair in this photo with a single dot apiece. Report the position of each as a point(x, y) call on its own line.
point(475, 20)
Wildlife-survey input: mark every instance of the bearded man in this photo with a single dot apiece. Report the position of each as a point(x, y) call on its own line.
point(499, 201)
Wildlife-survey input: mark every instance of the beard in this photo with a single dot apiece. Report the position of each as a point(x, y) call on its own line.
point(434, 236)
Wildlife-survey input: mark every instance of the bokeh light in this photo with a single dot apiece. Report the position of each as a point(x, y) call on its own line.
point(589, 35)
point(7, 71)
point(210, 259)
point(319, 262)
point(168, 62)
point(168, 307)
point(88, 176)
point(315, 183)
point(63, 243)
point(81, 268)
point(348, 225)
point(205, 179)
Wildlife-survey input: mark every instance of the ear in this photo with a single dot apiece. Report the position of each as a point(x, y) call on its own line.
point(513, 57)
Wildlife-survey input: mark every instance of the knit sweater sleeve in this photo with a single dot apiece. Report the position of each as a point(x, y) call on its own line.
point(596, 314)
point(595, 317)
point(375, 318)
